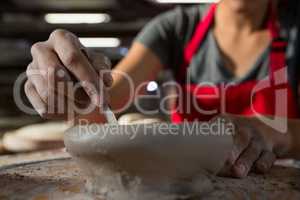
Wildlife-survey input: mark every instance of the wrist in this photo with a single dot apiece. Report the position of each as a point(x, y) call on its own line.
point(280, 143)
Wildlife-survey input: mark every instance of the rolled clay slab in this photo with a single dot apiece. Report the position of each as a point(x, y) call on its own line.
point(2, 149)
point(35, 137)
point(137, 118)
point(146, 161)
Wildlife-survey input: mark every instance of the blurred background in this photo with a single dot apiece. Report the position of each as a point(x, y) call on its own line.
point(108, 26)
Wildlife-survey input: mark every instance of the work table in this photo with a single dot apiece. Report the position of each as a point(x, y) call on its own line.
point(54, 175)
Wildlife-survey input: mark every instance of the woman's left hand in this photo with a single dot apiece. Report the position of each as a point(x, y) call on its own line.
point(256, 147)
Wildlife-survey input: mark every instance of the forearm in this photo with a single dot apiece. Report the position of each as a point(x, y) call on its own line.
point(139, 66)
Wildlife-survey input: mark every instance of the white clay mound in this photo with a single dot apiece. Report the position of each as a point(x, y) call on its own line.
point(147, 161)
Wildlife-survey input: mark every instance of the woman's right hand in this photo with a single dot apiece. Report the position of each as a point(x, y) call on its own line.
point(58, 66)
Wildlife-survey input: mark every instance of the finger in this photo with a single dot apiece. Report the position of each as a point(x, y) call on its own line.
point(50, 67)
point(35, 99)
point(226, 169)
point(265, 162)
point(103, 67)
point(37, 79)
point(63, 108)
point(108, 79)
point(246, 160)
point(44, 57)
point(68, 49)
point(48, 62)
point(101, 64)
point(242, 139)
point(53, 110)
point(232, 155)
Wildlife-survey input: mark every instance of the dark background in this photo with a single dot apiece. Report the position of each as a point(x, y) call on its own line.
point(22, 23)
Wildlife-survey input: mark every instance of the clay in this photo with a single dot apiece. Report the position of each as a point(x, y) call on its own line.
point(130, 117)
point(137, 118)
point(35, 137)
point(50, 131)
point(2, 148)
point(145, 121)
point(148, 161)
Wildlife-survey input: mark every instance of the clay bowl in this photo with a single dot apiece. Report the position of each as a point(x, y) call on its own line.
point(126, 160)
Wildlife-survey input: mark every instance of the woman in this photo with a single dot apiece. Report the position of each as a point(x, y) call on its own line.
point(236, 41)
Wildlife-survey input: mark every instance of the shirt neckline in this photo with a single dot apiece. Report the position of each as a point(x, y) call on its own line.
point(220, 64)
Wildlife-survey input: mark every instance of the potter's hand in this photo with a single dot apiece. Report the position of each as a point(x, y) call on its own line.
point(256, 147)
point(62, 61)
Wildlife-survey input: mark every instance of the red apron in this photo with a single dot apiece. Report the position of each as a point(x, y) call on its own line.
point(272, 96)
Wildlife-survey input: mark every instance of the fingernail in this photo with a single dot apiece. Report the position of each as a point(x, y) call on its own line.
point(241, 169)
point(109, 80)
point(44, 94)
point(41, 111)
point(60, 73)
point(96, 100)
point(92, 92)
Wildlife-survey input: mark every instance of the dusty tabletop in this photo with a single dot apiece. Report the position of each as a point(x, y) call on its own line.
point(62, 179)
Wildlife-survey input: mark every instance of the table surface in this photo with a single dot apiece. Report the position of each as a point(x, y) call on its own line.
point(60, 178)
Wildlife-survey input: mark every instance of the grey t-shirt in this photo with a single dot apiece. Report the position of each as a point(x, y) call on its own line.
point(168, 34)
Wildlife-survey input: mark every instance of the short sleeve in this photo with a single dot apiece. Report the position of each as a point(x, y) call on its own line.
point(167, 34)
point(160, 36)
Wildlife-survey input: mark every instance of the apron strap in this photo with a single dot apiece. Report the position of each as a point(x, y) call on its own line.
point(278, 46)
point(199, 35)
point(194, 44)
